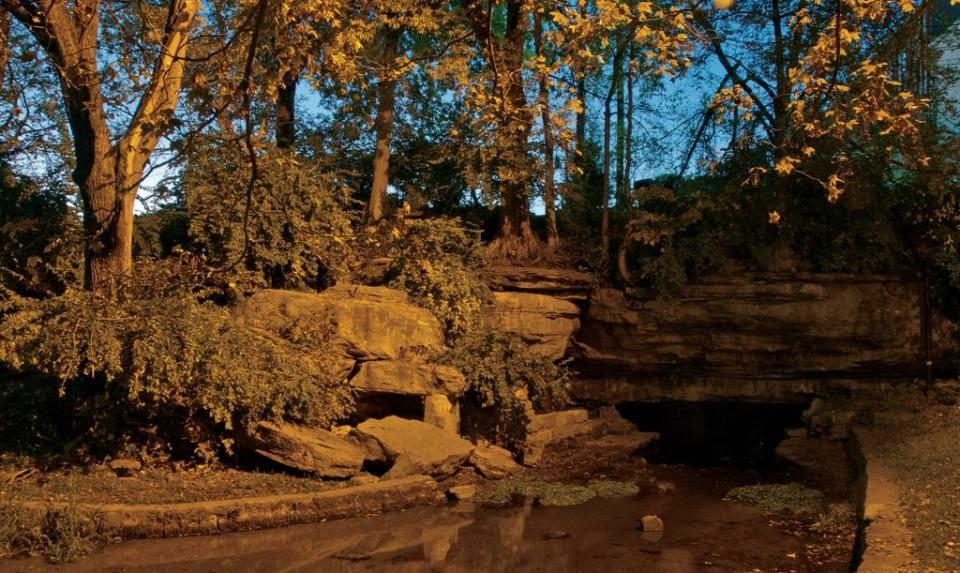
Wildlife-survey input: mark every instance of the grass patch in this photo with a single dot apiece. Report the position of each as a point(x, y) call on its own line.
point(775, 498)
point(542, 492)
point(61, 533)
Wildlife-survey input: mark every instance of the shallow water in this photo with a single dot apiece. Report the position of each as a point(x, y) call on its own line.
point(702, 533)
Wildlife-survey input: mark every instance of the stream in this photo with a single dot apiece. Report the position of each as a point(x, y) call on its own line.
point(702, 533)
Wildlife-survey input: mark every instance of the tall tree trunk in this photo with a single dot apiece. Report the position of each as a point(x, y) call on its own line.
point(387, 91)
point(621, 135)
point(628, 169)
point(504, 60)
point(607, 114)
point(581, 129)
point(4, 45)
point(549, 200)
point(107, 175)
point(287, 110)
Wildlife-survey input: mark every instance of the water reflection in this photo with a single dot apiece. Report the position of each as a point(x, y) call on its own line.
point(701, 533)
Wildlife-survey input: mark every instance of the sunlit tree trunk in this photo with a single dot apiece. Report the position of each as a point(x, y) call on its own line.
point(107, 174)
point(384, 127)
point(4, 45)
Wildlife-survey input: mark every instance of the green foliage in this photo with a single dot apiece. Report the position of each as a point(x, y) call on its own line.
point(543, 492)
point(773, 498)
point(714, 223)
point(435, 262)
point(293, 229)
point(40, 248)
point(500, 369)
point(166, 368)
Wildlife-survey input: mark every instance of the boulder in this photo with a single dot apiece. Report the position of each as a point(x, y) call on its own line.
point(492, 461)
point(311, 450)
point(545, 322)
point(404, 377)
point(439, 411)
point(415, 447)
point(372, 323)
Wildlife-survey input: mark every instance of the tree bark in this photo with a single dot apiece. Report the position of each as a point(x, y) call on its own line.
point(107, 175)
point(287, 110)
point(384, 127)
point(4, 45)
point(504, 59)
point(607, 113)
point(549, 169)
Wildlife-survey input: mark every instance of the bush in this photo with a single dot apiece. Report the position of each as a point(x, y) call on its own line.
point(435, 262)
point(40, 237)
point(167, 370)
point(293, 230)
point(497, 366)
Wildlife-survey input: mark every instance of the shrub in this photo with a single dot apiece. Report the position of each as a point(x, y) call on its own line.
point(168, 369)
point(497, 366)
point(435, 262)
point(40, 237)
point(293, 230)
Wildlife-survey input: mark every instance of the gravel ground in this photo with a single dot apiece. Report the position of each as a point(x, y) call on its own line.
point(920, 444)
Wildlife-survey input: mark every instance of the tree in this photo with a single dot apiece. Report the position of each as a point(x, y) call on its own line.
point(108, 168)
point(506, 106)
point(546, 118)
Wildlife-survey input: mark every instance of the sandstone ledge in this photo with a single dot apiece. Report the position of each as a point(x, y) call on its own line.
point(224, 516)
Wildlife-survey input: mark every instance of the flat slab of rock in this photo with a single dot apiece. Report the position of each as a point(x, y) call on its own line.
point(409, 378)
point(311, 450)
point(373, 323)
point(493, 462)
point(415, 447)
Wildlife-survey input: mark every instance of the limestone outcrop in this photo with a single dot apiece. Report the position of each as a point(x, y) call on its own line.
point(545, 322)
point(413, 447)
point(372, 323)
point(754, 328)
point(306, 449)
point(566, 284)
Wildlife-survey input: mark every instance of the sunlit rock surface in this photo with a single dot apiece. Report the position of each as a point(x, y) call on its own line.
point(306, 449)
point(373, 323)
point(545, 322)
point(414, 447)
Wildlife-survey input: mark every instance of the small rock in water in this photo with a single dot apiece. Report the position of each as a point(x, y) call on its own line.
point(556, 535)
point(651, 523)
point(463, 492)
point(664, 487)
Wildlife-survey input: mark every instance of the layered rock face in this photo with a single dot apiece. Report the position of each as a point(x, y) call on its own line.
point(757, 329)
point(539, 305)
